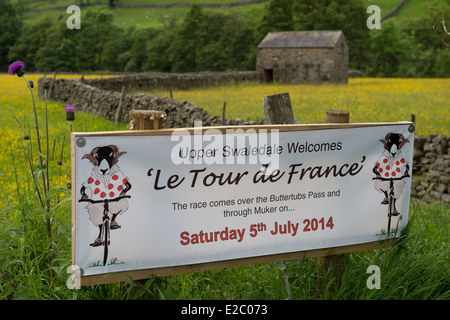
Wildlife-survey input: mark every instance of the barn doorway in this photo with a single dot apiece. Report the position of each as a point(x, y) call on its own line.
point(268, 75)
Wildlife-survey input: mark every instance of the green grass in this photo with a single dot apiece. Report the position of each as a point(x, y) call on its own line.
point(139, 17)
point(34, 267)
point(414, 9)
point(158, 17)
point(147, 17)
point(387, 6)
point(367, 100)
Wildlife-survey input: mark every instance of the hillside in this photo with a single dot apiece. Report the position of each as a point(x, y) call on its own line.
point(141, 13)
point(157, 13)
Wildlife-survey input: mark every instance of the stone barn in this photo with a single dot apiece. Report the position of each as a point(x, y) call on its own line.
point(296, 57)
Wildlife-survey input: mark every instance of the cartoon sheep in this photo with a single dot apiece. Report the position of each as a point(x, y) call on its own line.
point(391, 167)
point(106, 184)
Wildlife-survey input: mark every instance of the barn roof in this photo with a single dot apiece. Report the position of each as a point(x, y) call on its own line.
point(301, 39)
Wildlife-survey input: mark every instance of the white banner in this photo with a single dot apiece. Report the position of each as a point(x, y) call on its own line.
point(192, 196)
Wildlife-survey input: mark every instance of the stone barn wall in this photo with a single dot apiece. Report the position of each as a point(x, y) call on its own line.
point(308, 60)
point(302, 65)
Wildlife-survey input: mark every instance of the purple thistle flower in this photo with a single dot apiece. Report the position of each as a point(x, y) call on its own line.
point(17, 68)
point(70, 112)
point(69, 108)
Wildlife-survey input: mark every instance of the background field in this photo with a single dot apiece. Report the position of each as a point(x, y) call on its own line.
point(158, 17)
point(139, 17)
point(367, 99)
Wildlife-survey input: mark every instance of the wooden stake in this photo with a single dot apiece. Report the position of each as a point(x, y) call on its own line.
point(119, 107)
point(51, 86)
point(278, 109)
point(331, 266)
point(146, 119)
point(223, 112)
point(337, 116)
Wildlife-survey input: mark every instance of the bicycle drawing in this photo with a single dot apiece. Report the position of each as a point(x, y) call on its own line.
point(391, 169)
point(105, 193)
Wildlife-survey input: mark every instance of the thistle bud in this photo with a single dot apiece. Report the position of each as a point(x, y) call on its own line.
point(45, 84)
point(70, 114)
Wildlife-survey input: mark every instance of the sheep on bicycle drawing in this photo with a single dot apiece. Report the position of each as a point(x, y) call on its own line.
point(390, 170)
point(106, 188)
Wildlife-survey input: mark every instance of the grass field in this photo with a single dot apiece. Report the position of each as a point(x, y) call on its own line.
point(367, 99)
point(33, 265)
point(15, 103)
point(158, 17)
point(140, 17)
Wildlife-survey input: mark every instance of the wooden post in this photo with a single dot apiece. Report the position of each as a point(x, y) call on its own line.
point(146, 119)
point(278, 109)
point(119, 107)
point(337, 116)
point(223, 112)
point(331, 266)
point(51, 86)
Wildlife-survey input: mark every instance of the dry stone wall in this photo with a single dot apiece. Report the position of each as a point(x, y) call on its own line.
point(431, 168)
point(179, 81)
point(101, 98)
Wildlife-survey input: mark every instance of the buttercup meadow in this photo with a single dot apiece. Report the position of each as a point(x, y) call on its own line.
point(367, 100)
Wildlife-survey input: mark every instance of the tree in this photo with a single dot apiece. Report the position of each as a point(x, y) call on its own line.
point(117, 51)
point(31, 39)
point(158, 51)
point(76, 50)
point(347, 15)
point(426, 56)
point(278, 16)
point(217, 38)
point(390, 49)
point(138, 52)
point(441, 35)
point(11, 28)
point(210, 41)
point(183, 51)
point(243, 46)
point(46, 57)
point(98, 29)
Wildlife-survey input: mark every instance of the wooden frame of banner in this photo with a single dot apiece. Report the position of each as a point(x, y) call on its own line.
point(182, 269)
